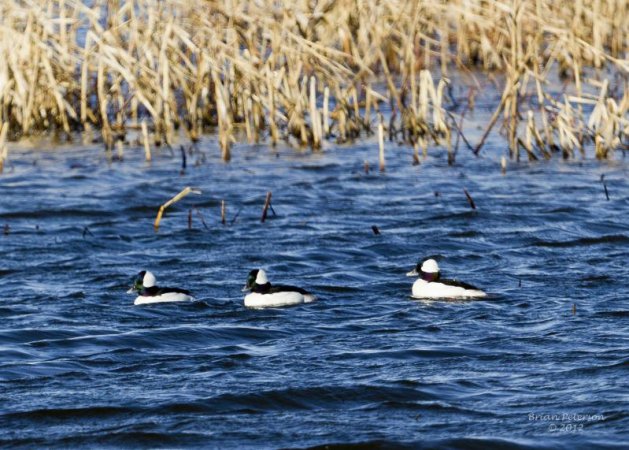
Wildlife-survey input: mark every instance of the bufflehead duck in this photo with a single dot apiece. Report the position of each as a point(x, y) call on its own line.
point(148, 292)
point(431, 285)
point(264, 295)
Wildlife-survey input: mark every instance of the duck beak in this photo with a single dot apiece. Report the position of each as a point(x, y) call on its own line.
point(131, 290)
point(245, 288)
point(412, 273)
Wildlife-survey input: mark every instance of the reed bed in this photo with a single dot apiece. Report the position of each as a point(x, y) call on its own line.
point(310, 72)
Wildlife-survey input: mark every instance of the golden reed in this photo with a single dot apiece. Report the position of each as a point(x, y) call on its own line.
point(307, 72)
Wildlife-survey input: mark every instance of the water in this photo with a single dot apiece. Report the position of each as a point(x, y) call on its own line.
point(366, 364)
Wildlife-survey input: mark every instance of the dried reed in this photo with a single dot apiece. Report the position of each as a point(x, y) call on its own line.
point(303, 71)
point(176, 198)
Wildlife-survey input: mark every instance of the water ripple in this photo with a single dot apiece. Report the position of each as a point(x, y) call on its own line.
point(365, 366)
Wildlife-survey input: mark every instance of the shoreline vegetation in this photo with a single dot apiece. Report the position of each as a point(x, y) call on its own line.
point(309, 72)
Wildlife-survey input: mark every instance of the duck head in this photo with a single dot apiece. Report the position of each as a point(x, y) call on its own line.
point(256, 277)
point(428, 270)
point(144, 279)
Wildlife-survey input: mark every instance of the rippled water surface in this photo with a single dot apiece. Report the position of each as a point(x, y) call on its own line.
point(365, 364)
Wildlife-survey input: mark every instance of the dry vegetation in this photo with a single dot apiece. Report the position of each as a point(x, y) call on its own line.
point(308, 71)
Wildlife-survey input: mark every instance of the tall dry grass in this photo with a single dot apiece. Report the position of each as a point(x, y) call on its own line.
point(310, 71)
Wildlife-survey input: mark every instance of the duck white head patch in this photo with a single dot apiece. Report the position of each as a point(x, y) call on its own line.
point(430, 266)
point(261, 278)
point(149, 280)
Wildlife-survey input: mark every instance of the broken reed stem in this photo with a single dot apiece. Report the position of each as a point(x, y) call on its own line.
point(494, 118)
point(326, 106)
point(223, 212)
point(381, 143)
point(202, 219)
point(176, 198)
point(4, 150)
point(183, 159)
point(315, 121)
point(120, 149)
point(145, 139)
point(267, 204)
point(416, 161)
point(606, 191)
point(470, 200)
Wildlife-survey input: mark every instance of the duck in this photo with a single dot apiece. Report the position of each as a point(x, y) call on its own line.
point(264, 295)
point(431, 285)
point(145, 285)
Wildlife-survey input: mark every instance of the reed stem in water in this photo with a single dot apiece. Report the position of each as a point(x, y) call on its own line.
point(381, 143)
point(186, 191)
point(267, 204)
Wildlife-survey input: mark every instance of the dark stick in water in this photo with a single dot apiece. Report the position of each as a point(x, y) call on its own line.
point(202, 219)
point(470, 199)
point(183, 158)
point(233, 221)
point(267, 203)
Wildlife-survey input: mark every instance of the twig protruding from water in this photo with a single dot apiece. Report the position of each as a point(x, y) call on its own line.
point(145, 138)
point(120, 149)
point(183, 159)
point(233, 221)
point(605, 186)
point(375, 230)
point(202, 219)
point(86, 231)
point(267, 204)
point(176, 198)
point(381, 142)
point(470, 200)
point(3, 147)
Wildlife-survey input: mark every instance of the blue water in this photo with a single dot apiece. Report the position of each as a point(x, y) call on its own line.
point(80, 366)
